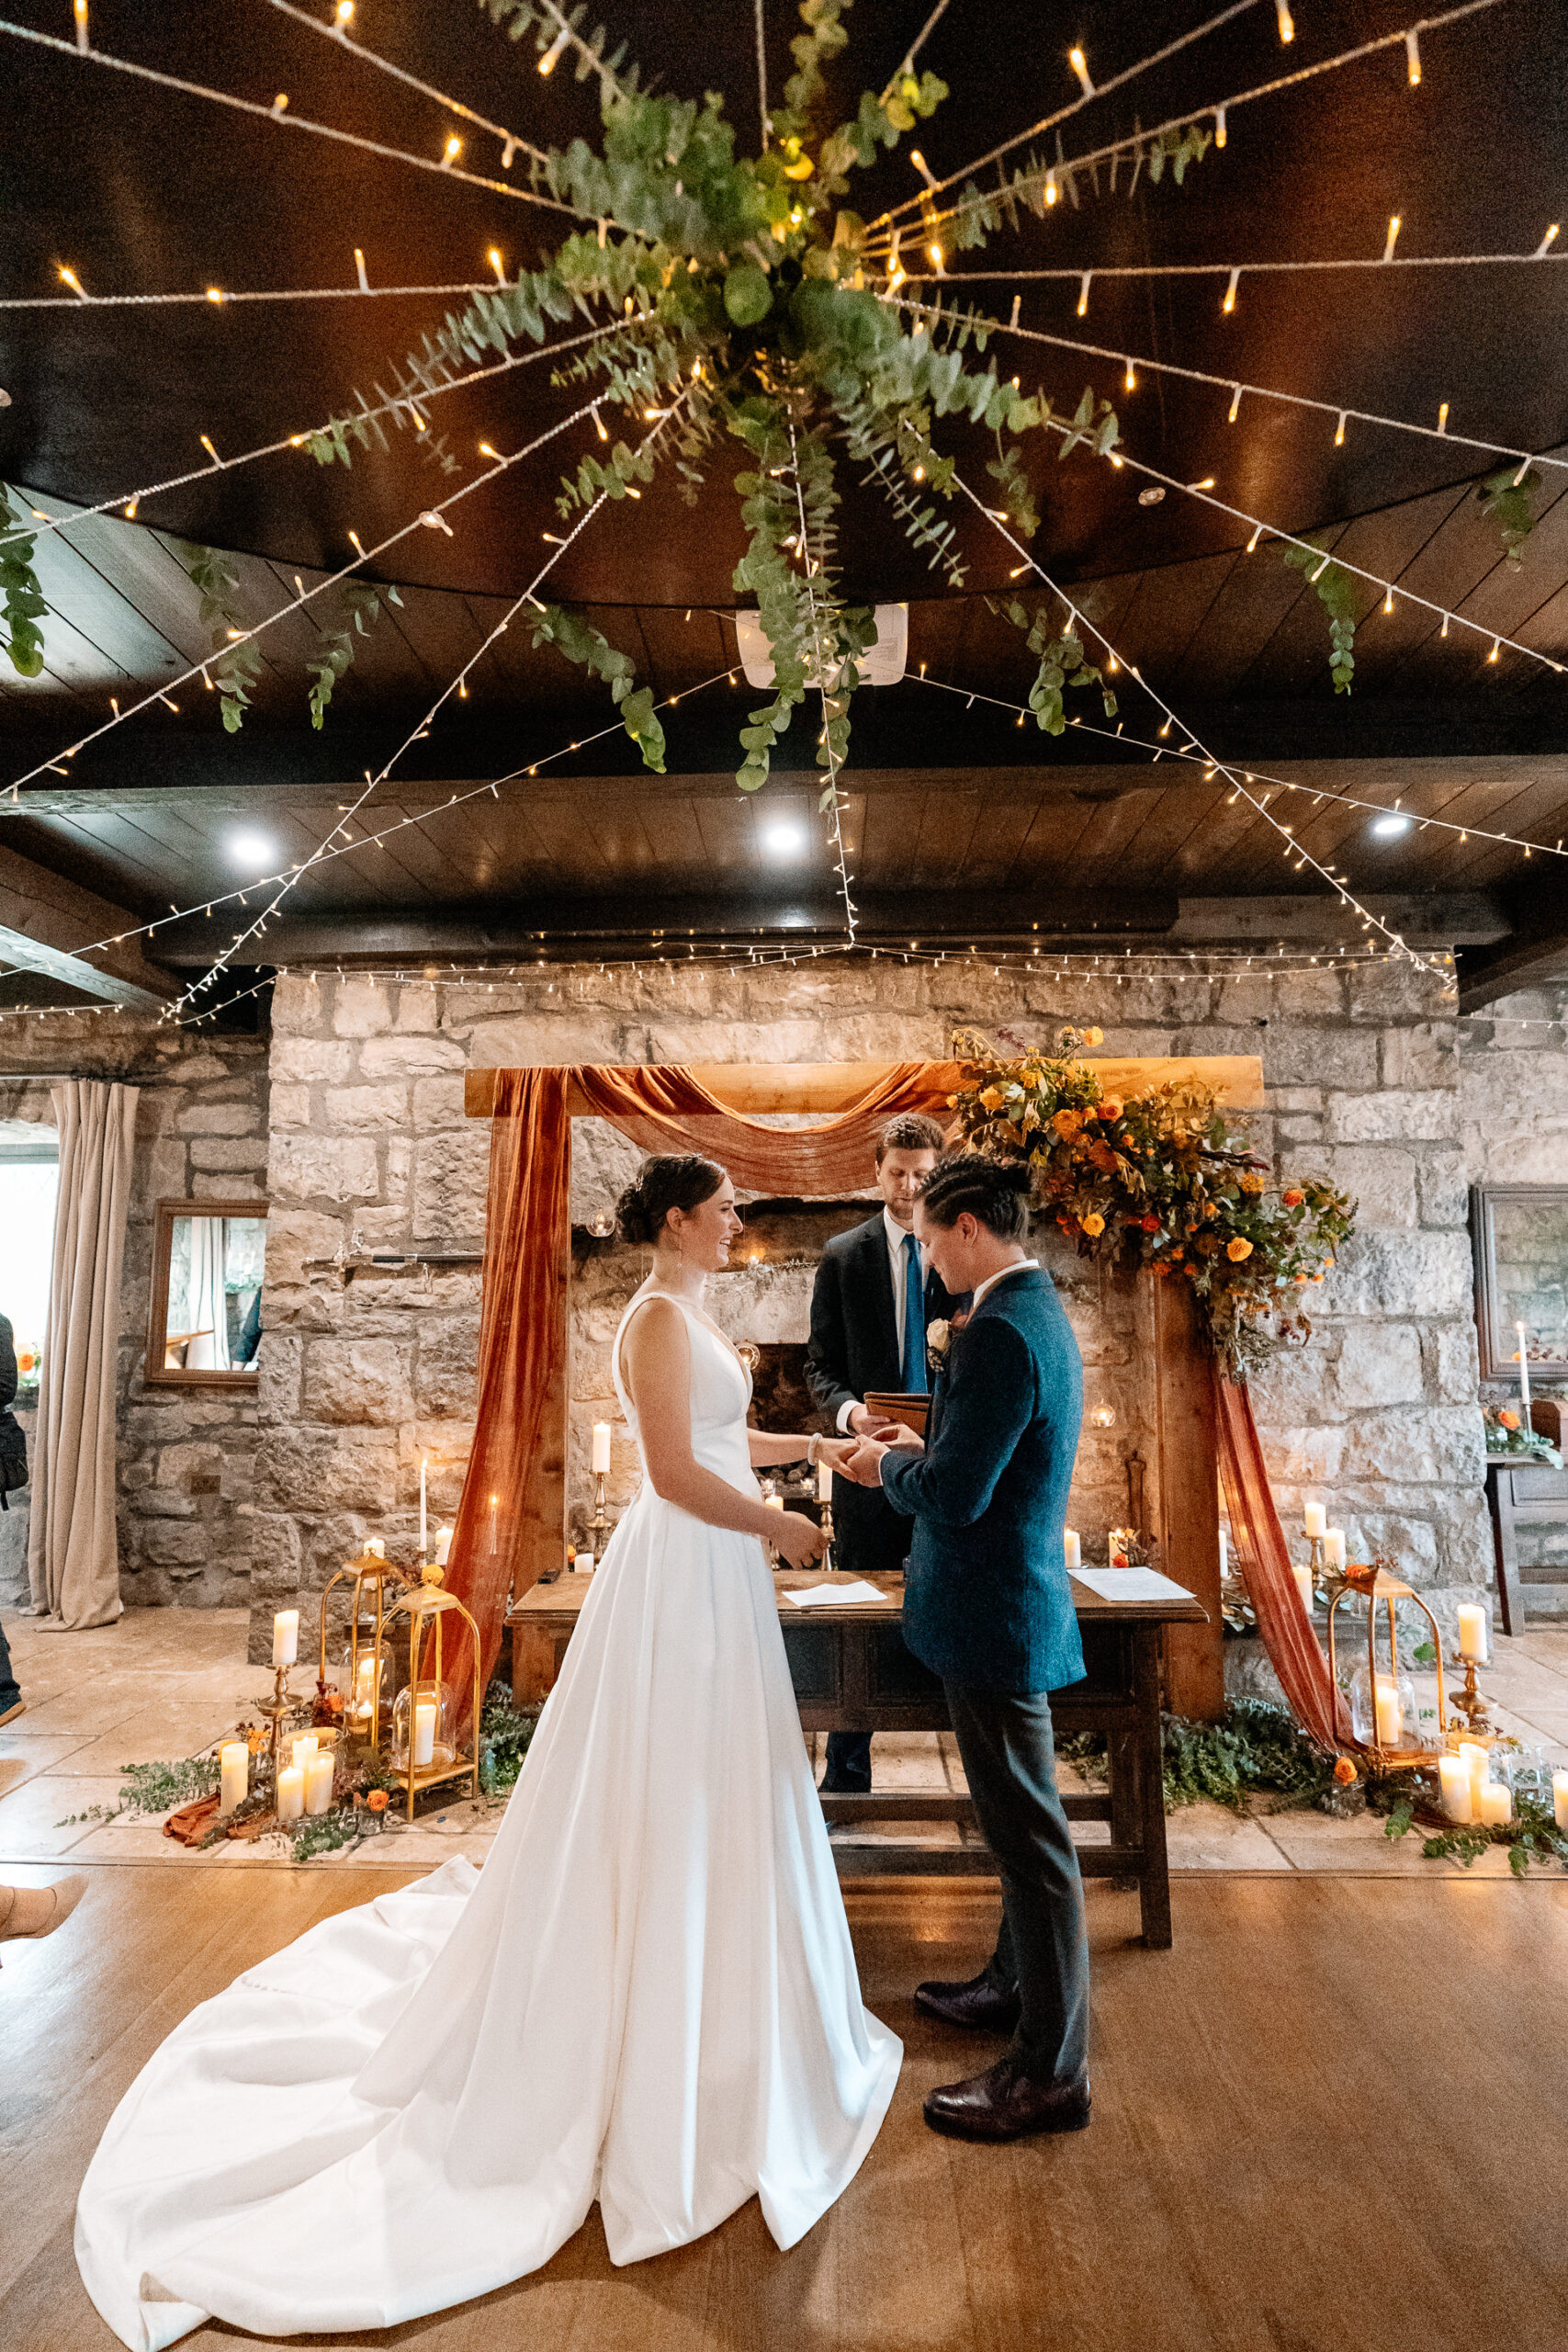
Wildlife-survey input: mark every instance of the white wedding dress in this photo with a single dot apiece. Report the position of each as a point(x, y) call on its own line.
point(648, 1995)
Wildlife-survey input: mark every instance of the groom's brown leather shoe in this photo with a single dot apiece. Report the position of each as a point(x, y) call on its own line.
point(978, 2003)
point(1007, 2104)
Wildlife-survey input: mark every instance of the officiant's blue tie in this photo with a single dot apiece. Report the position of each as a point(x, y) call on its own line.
point(915, 1380)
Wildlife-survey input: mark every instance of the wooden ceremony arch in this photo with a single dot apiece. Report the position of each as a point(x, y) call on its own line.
point(507, 1534)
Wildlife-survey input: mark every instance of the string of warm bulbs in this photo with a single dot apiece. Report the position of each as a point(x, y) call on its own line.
point(1193, 757)
point(457, 684)
point(221, 296)
point(933, 218)
point(1131, 364)
point(1234, 272)
point(1235, 777)
point(281, 113)
point(304, 597)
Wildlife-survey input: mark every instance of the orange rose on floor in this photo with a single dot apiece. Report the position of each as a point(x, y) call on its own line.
point(1236, 1249)
point(1344, 1771)
point(1293, 1197)
point(377, 1799)
point(1092, 1225)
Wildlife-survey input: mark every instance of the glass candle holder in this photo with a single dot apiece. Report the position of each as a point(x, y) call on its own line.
point(423, 1727)
point(365, 1677)
point(1383, 1709)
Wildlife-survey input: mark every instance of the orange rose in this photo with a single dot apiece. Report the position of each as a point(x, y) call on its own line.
point(26, 1359)
point(1300, 1280)
point(377, 1799)
point(1092, 1225)
point(1110, 1109)
point(1344, 1771)
point(1510, 1420)
point(1293, 1197)
point(1237, 1249)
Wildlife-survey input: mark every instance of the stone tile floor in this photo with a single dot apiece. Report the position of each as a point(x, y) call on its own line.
point(167, 1682)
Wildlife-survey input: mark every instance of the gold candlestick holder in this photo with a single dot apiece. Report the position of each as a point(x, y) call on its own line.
point(599, 1526)
point(825, 1524)
point(276, 1708)
point(1476, 1722)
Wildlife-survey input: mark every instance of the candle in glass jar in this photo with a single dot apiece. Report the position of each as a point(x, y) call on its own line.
point(1559, 1799)
point(772, 1502)
point(1453, 1773)
point(234, 1770)
point(286, 1637)
point(290, 1793)
point(824, 1480)
point(601, 1446)
point(318, 1783)
point(302, 1746)
point(1073, 1546)
point(424, 1731)
point(1314, 1520)
point(1303, 1575)
point(1334, 1546)
point(1389, 1717)
point(1497, 1802)
point(1472, 1631)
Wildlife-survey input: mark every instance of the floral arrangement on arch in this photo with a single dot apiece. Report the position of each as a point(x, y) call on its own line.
point(1161, 1180)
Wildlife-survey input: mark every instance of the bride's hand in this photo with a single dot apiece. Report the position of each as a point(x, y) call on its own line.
point(836, 1452)
point(796, 1538)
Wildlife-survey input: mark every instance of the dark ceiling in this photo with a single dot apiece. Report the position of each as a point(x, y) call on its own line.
point(141, 189)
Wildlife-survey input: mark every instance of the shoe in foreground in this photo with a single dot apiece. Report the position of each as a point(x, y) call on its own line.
point(34, 1911)
point(1007, 2104)
point(977, 2004)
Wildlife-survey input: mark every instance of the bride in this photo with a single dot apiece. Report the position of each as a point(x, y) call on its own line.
point(649, 1997)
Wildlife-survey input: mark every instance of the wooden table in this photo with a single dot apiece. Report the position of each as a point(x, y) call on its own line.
point(1520, 1492)
point(852, 1671)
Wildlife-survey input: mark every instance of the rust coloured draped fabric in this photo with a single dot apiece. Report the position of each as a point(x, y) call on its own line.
point(528, 1259)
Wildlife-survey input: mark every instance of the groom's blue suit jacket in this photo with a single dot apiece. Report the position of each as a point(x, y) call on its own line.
point(986, 1596)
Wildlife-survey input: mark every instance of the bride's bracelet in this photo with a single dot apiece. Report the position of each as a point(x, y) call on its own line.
point(812, 1444)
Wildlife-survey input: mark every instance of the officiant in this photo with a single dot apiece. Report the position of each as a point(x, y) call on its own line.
point(870, 1308)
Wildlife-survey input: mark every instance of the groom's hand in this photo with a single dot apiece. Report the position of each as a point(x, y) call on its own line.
point(865, 1465)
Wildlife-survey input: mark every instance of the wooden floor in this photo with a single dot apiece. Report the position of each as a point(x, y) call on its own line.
point(1332, 2118)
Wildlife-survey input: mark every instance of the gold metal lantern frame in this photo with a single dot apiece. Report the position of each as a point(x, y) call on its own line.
point(1375, 1585)
point(373, 1576)
point(426, 1607)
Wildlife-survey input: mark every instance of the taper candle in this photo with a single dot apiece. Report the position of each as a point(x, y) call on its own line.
point(1524, 1373)
point(601, 1447)
point(286, 1637)
point(424, 1514)
point(234, 1774)
point(318, 1783)
point(290, 1793)
point(1225, 1554)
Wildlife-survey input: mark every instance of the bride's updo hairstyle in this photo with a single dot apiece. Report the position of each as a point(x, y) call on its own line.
point(668, 1180)
point(993, 1191)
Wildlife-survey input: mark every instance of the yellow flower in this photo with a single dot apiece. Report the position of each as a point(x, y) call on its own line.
point(1093, 1224)
point(1252, 1180)
point(1067, 1124)
point(992, 1099)
point(1237, 1249)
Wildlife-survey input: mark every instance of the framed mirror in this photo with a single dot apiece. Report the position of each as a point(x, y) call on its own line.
point(204, 1321)
point(1520, 1236)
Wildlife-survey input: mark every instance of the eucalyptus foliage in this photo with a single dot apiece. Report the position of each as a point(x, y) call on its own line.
point(23, 601)
point(1335, 591)
point(1505, 495)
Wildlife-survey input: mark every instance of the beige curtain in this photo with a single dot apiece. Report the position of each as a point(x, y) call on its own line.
point(73, 1555)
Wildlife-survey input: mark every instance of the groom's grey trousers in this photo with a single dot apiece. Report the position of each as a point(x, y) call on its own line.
point(1009, 1757)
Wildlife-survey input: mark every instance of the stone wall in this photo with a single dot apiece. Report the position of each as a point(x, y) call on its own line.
point(183, 1455)
point(362, 1375)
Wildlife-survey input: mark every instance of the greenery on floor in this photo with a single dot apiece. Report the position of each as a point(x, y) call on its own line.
point(157, 1787)
point(1254, 1748)
point(1532, 1836)
point(504, 1734)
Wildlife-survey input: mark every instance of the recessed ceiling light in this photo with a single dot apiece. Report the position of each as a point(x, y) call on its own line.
point(783, 840)
point(1388, 828)
point(251, 850)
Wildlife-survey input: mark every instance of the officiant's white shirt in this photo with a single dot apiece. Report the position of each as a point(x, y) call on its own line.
point(896, 1235)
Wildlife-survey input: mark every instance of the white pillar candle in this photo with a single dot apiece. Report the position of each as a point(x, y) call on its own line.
point(1314, 1519)
point(1472, 1631)
point(290, 1793)
point(1073, 1548)
point(584, 1565)
point(1389, 1717)
point(772, 1502)
point(423, 1516)
point(1303, 1575)
point(376, 1547)
point(1454, 1773)
point(824, 1480)
point(443, 1546)
point(302, 1746)
point(1334, 1546)
point(286, 1637)
point(601, 1446)
point(234, 1770)
point(1497, 1802)
point(424, 1731)
point(1477, 1763)
point(318, 1783)
point(1559, 1799)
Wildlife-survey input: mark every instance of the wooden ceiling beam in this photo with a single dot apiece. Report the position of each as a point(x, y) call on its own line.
point(45, 919)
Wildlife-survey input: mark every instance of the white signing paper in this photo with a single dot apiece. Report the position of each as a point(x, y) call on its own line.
point(818, 1595)
point(1130, 1584)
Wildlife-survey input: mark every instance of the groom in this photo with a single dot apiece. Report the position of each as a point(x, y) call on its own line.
point(987, 1606)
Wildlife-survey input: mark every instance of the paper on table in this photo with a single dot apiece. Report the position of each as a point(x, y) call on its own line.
point(1131, 1584)
point(818, 1595)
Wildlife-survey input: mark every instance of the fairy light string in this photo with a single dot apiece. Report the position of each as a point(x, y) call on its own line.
point(286, 119)
point(220, 297)
point(338, 32)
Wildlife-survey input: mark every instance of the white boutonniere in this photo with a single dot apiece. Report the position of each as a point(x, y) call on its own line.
point(939, 1339)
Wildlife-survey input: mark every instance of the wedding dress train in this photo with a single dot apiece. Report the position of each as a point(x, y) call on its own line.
point(648, 1995)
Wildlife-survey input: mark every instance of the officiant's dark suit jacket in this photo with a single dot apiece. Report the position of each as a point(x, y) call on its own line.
point(854, 1348)
point(986, 1601)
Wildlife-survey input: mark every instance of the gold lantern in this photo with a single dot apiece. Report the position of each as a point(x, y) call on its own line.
point(366, 1704)
point(425, 1751)
point(1383, 1702)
